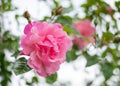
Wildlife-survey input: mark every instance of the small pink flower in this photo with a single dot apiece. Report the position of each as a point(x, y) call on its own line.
point(109, 10)
point(86, 30)
point(46, 44)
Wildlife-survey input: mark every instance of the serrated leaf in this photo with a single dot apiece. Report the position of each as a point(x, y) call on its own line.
point(51, 79)
point(20, 66)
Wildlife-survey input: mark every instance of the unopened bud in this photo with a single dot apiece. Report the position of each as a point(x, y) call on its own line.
point(27, 16)
point(59, 10)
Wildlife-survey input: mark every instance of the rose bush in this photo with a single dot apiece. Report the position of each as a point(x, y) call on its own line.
point(46, 44)
point(86, 30)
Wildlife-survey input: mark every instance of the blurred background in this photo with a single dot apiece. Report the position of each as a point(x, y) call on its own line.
point(97, 65)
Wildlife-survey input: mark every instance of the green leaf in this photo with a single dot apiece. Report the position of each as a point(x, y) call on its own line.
point(70, 30)
point(64, 20)
point(107, 69)
point(51, 79)
point(56, 3)
point(5, 73)
point(91, 60)
point(20, 66)
point(2, 55)
point(84, 5)
point(91, 2)
point(35, 79)
point(117, 4)
point(107, 36)
point(104, 53)
point(71, 55)
point(115, 22)
point(16, 53)
point(107, 26)
point(113, 52)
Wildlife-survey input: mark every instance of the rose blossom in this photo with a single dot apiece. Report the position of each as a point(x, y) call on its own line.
point(86, 30)
point(46, 44)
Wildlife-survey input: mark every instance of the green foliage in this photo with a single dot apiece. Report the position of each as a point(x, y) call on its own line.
point(6, 5)
point(70, 30)
point(71, 55)
point(20, 66)
point(4, 72)
point(9, 41)
point(66, 21)
point(33, 81)
point(91, 60)
point(117, 4)
point(51, 79)
point(56, 3)
point(107, 37)
point(107, 69)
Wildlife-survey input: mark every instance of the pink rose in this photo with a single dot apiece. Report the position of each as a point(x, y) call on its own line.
point(86, 30)
point(109, 10)
point(46, 44)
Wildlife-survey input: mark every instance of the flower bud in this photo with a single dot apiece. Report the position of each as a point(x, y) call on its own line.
point(59, 10)
point(27, 16)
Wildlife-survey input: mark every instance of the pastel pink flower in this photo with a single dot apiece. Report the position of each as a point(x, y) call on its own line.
point(86, 30)
point(46, 44)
